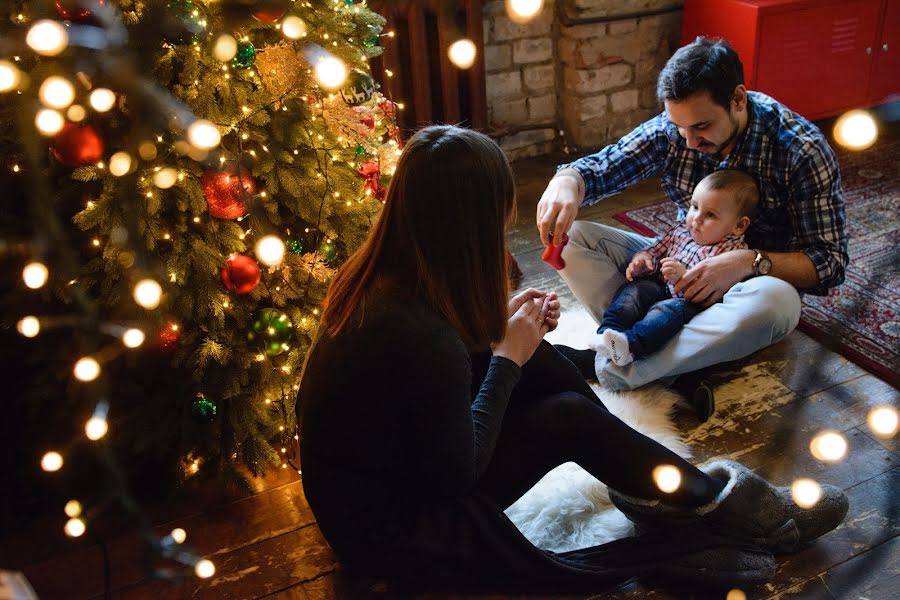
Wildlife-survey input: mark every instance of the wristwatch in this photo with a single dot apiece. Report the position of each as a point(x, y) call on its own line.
point(763, 264)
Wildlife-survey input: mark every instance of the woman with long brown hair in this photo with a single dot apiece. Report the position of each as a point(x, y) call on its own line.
point(429, 403)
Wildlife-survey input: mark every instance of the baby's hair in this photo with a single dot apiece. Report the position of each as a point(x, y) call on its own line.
point(741, 184)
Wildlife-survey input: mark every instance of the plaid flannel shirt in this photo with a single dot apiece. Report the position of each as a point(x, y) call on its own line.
point(677, 243)
point(801, 205)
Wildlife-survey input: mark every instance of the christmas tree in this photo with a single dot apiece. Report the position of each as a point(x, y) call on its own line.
point(182, 179)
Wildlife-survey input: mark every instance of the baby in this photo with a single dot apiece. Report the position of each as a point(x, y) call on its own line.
point(648, 311)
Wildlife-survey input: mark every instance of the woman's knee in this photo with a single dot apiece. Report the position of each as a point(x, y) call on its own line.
point(568, 412)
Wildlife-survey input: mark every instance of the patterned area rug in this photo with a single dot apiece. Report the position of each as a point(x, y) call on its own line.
point(861, 318)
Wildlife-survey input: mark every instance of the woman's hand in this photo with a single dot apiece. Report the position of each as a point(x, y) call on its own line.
point(524, 331)
point(552, 317)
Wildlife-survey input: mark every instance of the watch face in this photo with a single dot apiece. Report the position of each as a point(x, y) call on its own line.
point(765, 265)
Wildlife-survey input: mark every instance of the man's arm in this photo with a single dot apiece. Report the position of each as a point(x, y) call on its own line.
point(633, 158)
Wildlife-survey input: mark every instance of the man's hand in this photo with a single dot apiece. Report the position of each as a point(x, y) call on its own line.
point(706, 282)
point(558, 206)
point(671, 269)
point(642, 263)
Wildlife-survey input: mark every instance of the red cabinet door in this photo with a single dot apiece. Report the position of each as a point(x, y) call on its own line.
point(814, 59)
point(886, 74)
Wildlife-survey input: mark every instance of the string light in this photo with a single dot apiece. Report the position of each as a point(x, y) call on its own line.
point(76, 113)
point(56, 92)
point(520, 11)
point(75, 527)
point(133, 338)
point(35, 275)
point(49, 122)
point(205, 568)
point(166, 178)
point(270, 250)
point(179, 535)
point(47, 37)
point(52, 461)
point(102, 99)
point(96, 428)
point(86, 369)
point(667, 478)
point(828, 446)
point(10, 76)
point(148, 293)
point(462, 53)
point(735, 594)
point(331, 72)
point(225, 48)
point(120, 163)
point(73, 508)
point(293, 27)
point(882, 420)
point(204, 135)
point(29, 326)
point(806, 492)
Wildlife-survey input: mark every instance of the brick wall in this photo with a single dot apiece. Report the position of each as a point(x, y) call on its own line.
point(579, 75)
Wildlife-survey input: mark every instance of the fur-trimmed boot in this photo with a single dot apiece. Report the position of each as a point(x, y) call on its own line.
point(749, 508)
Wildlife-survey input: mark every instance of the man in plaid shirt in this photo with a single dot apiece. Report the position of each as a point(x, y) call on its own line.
point(797, 240)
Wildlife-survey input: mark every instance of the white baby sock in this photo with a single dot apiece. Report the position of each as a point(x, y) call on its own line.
point(618, 347)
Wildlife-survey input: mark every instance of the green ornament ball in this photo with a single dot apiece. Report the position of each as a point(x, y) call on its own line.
point(272, 330)
point(371, 42)
point(245, 57)
point(360, 150)
point(295, 246)
point(203, 410)
point(185, 21)
point(328, 250)
point(359, 88)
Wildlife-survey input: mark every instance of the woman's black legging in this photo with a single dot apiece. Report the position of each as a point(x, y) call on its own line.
point(555, 417)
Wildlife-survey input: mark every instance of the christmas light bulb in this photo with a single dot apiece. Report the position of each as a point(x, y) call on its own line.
point(667, 478)
point(225, 48)
point(856, 130)
point(73, 508)
point(148, 293)
point(47, 37)
point(179, 535)
point(35, 275)
point(49, 122)
point(520, 11)
point(133, 338)
point(96, 428)
point(76, 113)
point(52, 461)
point(331, 72)
point(882, 420)
point(205, 569)
point(828, 446)
point(204, 135)
point(165, 178)
point(10, 76)
point(806, 492)
point(29, 326)
point(75, 527)
point(735, 594)
point(120, 163)
point(293, 27)
point(102, 99)
point(270, 250)
point(86, 369)
point(56, 92)
point(462, 53)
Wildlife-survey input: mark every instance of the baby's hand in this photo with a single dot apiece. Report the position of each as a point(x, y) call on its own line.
point(671, 269)
point(641, 264)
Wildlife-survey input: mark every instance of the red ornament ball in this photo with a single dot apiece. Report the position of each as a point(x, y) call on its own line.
point(240, 274)
point(77, 145)
point(269, 11)
point(72, 10)
point(227, 191)
point(169, 336)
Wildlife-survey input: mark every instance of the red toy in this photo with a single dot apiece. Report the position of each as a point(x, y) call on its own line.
point(553, 254)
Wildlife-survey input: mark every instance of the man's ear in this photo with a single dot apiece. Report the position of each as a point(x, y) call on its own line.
point(741, 226)
point(739, 98)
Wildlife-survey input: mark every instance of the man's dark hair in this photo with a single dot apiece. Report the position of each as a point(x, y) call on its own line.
point(706, 64)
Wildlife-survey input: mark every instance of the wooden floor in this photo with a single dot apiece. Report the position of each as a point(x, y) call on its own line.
point(267, 545)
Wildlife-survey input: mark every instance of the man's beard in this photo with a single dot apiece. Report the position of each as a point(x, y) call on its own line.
point(731, 138)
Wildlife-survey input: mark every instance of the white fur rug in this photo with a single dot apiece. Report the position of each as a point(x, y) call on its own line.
point(569, 508)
